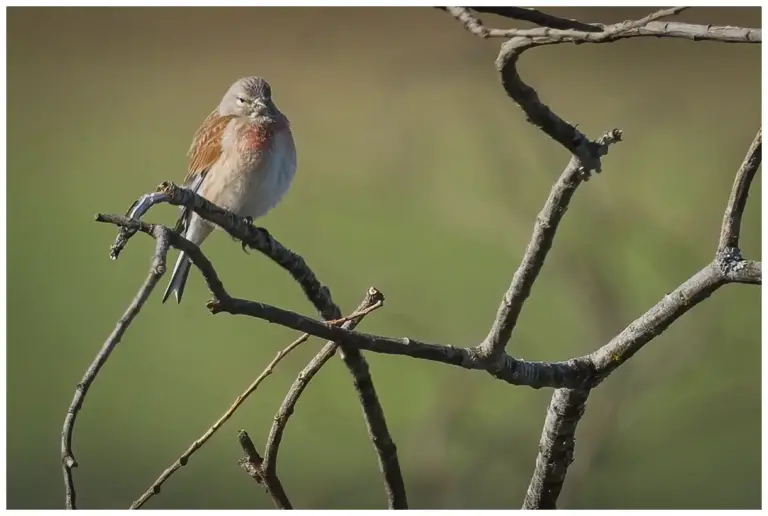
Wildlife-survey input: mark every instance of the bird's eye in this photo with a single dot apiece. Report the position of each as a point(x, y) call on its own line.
point(240, 100)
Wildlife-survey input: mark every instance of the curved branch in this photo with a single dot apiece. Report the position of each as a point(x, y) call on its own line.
point(538, 113)
point(156, 271)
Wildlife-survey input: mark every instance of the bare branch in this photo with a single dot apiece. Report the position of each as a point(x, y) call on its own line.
point(539, 18)
point(573, 374)
point(629, 25)
point(517, 372)
point(558, 30)
point(254, 237)
point(318, 294)
point(729, 234)
point(657, 319)
point(611, 33)
point(198, 443)
point(536, 111)
point(156, 271)
point(260, 239)
point(373, 299)
point(567, 406)
point(547, 222)
point(539, 113)
point(176, 241)
point(470, 21)
point(252, 464)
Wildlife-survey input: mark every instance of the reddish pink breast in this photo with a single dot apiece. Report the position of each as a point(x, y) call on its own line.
point(255, 137)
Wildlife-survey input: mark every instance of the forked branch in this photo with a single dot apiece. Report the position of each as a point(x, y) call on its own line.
point(373, 300)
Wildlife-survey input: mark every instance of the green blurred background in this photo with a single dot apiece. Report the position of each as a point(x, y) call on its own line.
point(419, 176)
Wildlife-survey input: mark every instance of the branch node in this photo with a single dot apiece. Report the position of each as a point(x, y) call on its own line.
point(252, 463)
point(728, 258)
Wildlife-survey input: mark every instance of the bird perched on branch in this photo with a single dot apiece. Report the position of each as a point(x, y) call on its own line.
point(242, 158)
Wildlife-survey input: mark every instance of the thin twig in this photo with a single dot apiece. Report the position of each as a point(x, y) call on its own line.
point(156, 271)
point(198, 443)
point(539, 18)
point(176, 241)
point(731, 228)
point(373, 299)
point(476, 27)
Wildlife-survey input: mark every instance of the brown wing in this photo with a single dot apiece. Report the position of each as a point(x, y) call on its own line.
point(205, 150)
point(206, 146)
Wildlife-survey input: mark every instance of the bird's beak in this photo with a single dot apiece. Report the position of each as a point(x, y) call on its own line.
point(259, 107)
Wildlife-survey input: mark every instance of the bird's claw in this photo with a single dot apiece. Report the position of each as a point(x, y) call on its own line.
point(249, 221)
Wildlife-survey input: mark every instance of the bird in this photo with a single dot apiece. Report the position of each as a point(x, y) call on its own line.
point(242, 158)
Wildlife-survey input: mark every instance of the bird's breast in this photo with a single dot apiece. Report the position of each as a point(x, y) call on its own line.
point(255, 138)
point(270, 161)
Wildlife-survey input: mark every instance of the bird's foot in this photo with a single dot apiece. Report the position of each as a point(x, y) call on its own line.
point(249, 221)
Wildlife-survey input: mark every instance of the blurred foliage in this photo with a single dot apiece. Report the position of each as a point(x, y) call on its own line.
point(416, 175)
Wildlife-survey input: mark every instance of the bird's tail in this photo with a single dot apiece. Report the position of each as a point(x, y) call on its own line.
point(178, 278)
